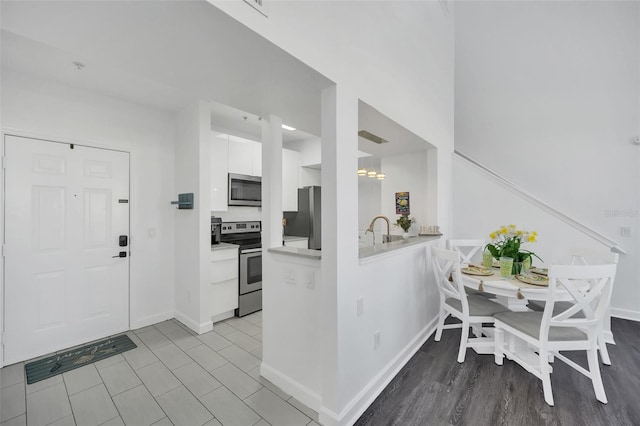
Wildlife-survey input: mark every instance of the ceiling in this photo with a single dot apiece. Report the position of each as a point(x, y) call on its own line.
point(162, 54)
point(167, 54)
point(226, 119)
point(400, 140)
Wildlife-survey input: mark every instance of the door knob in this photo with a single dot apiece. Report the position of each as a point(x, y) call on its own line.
point(121, 254)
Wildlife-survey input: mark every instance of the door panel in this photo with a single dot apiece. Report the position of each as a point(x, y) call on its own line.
point(62, 222)
point(97, 218)
point(48, 219)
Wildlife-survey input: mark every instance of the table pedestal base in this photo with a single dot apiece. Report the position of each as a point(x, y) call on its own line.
point(516, 305)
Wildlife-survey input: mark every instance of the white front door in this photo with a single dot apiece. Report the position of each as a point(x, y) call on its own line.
point(65, 208)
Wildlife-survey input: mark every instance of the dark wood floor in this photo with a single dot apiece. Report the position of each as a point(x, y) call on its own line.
point(433, 389)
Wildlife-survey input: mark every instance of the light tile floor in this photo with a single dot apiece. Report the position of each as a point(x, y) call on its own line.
point(173, 377)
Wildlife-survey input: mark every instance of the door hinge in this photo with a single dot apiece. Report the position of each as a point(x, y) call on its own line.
point(3, 250)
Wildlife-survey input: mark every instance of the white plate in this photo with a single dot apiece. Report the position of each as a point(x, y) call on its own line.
point(474, 270)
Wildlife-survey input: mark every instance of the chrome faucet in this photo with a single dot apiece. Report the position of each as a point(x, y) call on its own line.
point(370, 229)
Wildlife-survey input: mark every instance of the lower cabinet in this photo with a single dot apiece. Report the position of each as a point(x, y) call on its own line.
point(223, 294)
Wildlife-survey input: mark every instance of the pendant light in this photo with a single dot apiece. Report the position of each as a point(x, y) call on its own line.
point(371, 172)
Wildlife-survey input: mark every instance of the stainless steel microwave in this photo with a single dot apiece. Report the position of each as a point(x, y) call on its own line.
point(244, 190)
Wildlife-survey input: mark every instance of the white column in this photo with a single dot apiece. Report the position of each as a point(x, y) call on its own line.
point(339, 238)
point(192, 241)
point(271, 181)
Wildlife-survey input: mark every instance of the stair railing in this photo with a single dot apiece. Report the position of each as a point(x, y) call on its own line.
point(602, 239)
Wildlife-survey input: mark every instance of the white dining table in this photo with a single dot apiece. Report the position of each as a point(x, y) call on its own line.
point(514, 294)
point(510, 292)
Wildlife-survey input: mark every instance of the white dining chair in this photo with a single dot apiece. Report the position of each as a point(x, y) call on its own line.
point(549, 332)
point(469, 309)
point(467, 249)
point(584, 258)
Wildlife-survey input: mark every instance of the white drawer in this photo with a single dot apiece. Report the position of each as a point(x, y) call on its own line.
point(217, 255)
point(223, 270)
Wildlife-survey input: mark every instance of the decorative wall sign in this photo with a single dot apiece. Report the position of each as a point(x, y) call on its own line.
point(402, 203)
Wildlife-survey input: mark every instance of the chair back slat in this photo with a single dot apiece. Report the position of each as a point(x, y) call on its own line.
point(466, 249)
point(589, 287)
point(446, 269)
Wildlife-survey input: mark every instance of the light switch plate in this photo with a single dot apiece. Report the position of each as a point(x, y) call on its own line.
point(290, 276)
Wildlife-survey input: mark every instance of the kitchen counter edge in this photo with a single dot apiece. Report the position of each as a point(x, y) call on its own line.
point(296, 251)
point(363, 253)
point(223, 246)
point(369, 251)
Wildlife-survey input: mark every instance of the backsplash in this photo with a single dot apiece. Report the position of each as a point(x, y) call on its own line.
point(239, 214)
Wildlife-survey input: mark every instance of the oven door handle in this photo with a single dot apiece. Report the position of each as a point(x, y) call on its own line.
point(247, 251)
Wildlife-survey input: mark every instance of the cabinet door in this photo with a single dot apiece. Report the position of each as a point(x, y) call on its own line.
point(241, 157)
point(221, 294)
point(290, 179)
point(257, 159)
point(219, 170)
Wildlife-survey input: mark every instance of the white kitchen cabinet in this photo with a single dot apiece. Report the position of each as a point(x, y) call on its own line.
point(290, 179)
point(256, 159)
point(219, 170)
point(245, 158)
point(222, 296)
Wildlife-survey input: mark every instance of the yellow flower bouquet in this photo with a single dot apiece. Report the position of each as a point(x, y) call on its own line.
point(506, 241)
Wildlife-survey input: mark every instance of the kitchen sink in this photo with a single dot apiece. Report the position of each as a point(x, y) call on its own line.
point(367, 242)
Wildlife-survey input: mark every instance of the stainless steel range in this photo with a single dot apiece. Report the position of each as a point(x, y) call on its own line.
point(248, 236)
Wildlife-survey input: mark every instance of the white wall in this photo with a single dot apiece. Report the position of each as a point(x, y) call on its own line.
point(302, 361)
point(193, 231)
point(556, 242)
point(408, 173)
point(43, 108)
point(547, 96)
point(363, 57)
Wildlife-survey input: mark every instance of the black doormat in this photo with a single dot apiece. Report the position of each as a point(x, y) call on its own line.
point(74, 358)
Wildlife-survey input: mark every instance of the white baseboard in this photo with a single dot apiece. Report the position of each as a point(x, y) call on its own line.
point(193, 325)
point(223, 316)
point(300, 392)
point(369, 393)
point(150, 320)
point(625, 314)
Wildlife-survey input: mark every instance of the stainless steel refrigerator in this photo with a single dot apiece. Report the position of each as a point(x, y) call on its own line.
point(306, 222)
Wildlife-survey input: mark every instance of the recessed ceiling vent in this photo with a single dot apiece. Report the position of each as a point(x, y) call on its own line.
point(373, 138)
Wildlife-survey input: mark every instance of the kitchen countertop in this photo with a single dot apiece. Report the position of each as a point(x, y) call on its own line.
point(293, 238)
point(299, 252)
point(364, 251)
point(223, 246)
point(373, 250)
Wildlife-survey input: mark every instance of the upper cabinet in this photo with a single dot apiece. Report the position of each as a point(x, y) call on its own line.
point(219, 170)
point(245, 158)
point(290, 179)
